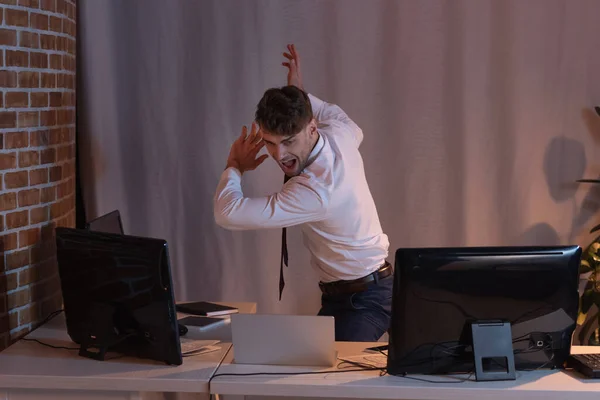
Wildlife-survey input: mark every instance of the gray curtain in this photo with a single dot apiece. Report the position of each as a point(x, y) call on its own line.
point(477, 118)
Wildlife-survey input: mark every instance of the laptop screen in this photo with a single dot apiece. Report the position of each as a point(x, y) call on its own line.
point(109, 223)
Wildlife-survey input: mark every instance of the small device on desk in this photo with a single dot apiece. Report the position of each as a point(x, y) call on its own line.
point(299, 340)
point(205, 308)
point(586, 364)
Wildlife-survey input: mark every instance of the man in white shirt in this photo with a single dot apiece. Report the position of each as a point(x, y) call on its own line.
point(326, 192)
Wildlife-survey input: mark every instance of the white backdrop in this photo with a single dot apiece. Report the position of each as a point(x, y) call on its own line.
point(477, 119)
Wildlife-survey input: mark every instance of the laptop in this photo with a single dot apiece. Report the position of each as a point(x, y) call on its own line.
point(109, 223)
point(270, 339)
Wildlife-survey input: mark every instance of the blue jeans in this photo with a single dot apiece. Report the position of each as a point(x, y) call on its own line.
point(363, 316)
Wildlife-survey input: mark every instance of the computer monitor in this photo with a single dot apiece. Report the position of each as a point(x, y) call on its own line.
point(117, 294)
point(110, 223)
point(440, 293)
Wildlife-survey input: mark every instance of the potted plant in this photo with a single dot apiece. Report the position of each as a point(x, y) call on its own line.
point(590, 264)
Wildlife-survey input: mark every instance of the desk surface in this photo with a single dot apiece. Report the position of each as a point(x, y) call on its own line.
point(28, 364)
point(549, 385)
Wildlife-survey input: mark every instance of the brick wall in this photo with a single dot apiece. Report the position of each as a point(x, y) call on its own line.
point(37, 155)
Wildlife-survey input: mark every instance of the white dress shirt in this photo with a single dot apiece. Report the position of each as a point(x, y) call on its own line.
point(330, 199)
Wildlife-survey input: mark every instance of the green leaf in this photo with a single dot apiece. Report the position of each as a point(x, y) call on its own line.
point(584, 267)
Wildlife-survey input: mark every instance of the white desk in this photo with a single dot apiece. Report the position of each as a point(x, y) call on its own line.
point(29, 370)
point(547, 385)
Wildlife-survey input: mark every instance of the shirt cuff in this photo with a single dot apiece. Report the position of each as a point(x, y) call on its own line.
point(232, 173)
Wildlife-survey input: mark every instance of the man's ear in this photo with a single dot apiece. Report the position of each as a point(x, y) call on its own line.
point(313, 126)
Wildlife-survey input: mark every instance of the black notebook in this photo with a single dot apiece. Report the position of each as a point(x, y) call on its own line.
point(205, 308)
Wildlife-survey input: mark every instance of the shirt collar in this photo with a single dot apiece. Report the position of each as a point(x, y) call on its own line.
point(316, 150)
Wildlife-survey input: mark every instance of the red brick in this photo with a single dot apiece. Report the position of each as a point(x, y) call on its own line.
point(9, 2)
point(48, 118)
point(61, 7)
point(16, 17)
point(8, 201)
point(17, 99)
point(16, 140)
point(39, 99)
point(69, 28)
point(39, 21)
point(8, 119)
point(29, 158)
point(55, 173)
point(1, 230)
point(56, 24)
point(18, 298)
point(29, 237)
point(69, 99)
point(13, 180)
point(48, 194)
point(63, 153)
point(29, 79)
point(38, 60)
point(48, 5)
point(38, 215)
point(8, 160)
point(12, 281)
point(48, 156)
point(27, 276)
point(29, 39)
point(55, 136)
point(28, 197)
point(48, 42)
point(29, 119)
point(8, 242)
point(55, 99)
point(17, 219)
point(8, 37)
point(69, 63)
point(17, 58)
point(55, 61)
point(48, 80)
point(39, 138)
point(70, 10)
point(38, 176)
point(8, 79)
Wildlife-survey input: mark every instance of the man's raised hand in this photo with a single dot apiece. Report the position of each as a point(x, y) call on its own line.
point(244, 150)
point(293, 64)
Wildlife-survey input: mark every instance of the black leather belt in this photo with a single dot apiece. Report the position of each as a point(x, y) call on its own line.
point(356, 285)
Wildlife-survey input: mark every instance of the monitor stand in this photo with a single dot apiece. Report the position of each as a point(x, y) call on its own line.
point(96, 349)
point(104, 330)
point(493, 348)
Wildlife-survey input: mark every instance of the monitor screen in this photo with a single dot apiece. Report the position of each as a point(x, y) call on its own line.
point(439, 292)
point(109, 223)
point(117, 293)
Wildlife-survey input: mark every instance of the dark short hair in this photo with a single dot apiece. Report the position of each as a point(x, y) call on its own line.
point(284, 111)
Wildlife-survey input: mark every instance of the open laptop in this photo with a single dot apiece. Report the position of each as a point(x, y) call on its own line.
point(269, 339)
point(109, 223)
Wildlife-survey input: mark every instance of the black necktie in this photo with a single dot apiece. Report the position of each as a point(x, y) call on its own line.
point(284, 253)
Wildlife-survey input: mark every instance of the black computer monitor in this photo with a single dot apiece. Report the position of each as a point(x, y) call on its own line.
point(439, 293)
point(117, 294)
point(109, 222)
